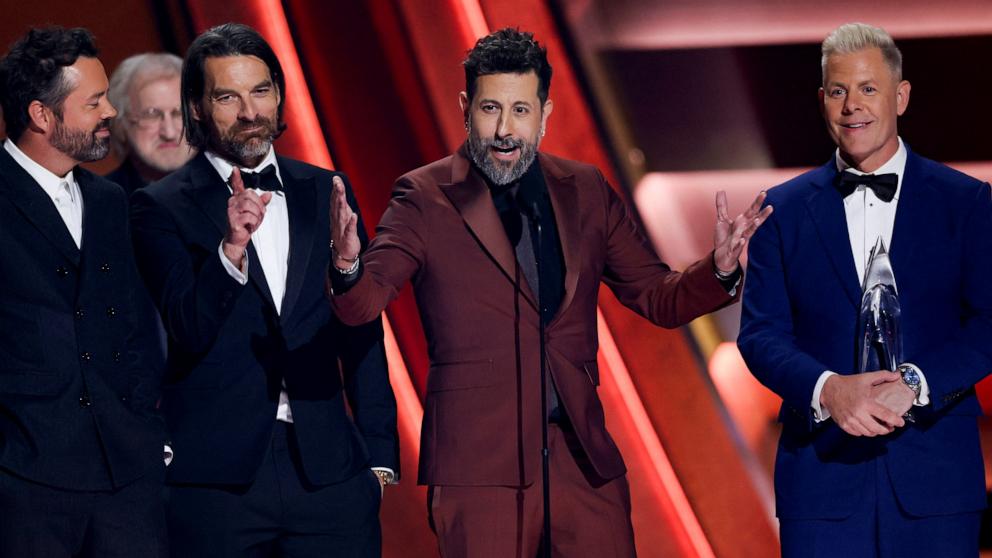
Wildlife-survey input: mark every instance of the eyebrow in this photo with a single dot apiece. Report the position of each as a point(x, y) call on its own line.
point(97, 96)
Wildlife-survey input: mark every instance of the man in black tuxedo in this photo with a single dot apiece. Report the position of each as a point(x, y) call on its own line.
point(234, 247)
point(80, 441)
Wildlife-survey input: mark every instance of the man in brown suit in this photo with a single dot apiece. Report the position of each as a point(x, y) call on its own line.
point(471, 231)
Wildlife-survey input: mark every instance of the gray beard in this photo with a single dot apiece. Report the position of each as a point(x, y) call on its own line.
point(79, 145)
point(498, 172)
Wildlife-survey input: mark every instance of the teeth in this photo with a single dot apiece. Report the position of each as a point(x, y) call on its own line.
point(855, 125)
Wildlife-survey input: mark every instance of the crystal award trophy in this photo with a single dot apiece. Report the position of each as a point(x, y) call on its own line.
point(879, 337)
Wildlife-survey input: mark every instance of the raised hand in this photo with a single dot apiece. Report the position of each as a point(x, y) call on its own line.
point(853, 406)
point(245, 211)
point(344, 228)
point(732, 234)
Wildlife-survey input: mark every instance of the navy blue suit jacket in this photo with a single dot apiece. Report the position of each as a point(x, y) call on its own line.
point(800, 311)
point(78, 381)
point(230, 351)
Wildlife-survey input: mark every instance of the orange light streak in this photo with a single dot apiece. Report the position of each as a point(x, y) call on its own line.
point(299, 106)
point(617, 385)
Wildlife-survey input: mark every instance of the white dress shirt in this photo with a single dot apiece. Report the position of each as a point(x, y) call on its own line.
point(868, 219)
point(64, 191)
point(271, 241)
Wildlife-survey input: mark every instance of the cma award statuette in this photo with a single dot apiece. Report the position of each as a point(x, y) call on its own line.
point(879, 337)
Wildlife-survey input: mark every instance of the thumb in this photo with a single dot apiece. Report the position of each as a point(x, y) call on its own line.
point(266, 198)
point(237, 184)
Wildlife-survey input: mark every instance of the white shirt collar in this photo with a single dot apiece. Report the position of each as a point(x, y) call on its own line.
point(895, 165)
point(49, 181)
point(224, 167)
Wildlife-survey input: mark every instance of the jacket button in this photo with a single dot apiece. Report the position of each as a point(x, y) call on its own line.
point(80, 313)
point(62, 272)
point(105, 267)
point(86, 356)
point(111, 312)
point(84, 400)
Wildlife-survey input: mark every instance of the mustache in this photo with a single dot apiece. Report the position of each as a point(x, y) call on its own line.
point(506, 143)
point(242, 125)
point(103, 125)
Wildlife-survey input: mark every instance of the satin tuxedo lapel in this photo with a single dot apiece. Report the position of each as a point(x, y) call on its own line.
point(565, 201)
point(37, 207)
point(826, 211)
point(210, 193)
point(301, 205)
point(916, 199)
point(470, 196)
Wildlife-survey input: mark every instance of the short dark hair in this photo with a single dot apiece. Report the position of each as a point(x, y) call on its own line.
point(34, 70)
point(229, 39)
point(508, 51)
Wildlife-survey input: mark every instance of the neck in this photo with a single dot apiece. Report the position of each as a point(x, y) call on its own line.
point(147, 173)
point(37, 147)
point(873, 161)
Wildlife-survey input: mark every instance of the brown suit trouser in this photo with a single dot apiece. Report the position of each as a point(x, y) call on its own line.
point(589, 517)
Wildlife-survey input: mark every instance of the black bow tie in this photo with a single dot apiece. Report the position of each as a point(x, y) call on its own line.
point(265, 179)
point(884, 185)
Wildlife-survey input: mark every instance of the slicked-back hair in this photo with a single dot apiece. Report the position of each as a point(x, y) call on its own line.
point(855, 37)
point(132, 74)
point(229, 39)
point(34, 70)
point(508, 51)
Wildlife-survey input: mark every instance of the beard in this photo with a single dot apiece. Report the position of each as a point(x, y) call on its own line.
point(81, 145)
point(244, 149)
point(501, 173)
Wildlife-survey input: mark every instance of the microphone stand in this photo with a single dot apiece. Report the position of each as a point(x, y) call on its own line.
point(535, 215)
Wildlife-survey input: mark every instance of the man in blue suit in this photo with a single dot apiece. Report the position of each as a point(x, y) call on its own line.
point(852, 478)
point(234, 247)
point(80, 440)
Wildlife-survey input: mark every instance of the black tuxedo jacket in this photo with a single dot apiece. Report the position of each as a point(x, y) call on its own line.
point(230, 351)
point(77, 381)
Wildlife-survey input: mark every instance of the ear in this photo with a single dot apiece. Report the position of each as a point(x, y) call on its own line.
point(545, 113)
point(821, 95)
point(194, 110)
point(902, 96)
point(464, 103)
point(40, 116)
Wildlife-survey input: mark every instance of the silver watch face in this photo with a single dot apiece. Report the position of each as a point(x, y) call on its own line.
point(910, 376)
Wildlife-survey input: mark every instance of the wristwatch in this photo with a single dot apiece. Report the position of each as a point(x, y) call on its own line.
point(911, 378)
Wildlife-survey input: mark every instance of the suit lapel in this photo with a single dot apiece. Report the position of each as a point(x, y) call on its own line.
point(301, 206)
point(96, 216)
point(210, 193)
point(826, 209)
point(35, 205)
point(565, 201)
point(470, 196)
point(916, 199)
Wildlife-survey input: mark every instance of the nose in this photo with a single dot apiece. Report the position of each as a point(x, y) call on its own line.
point(248, 110)
point(852, 102)
point(171, 127)
point(504, 128)
point(108, 109)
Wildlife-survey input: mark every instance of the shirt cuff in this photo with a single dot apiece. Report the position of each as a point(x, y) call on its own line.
point(819, 413)
point(392, 473)
point(167, 454)
point(235, 273)
point(924, 398)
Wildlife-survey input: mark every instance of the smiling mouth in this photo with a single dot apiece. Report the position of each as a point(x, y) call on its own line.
point(855, 125)
point(504, 152)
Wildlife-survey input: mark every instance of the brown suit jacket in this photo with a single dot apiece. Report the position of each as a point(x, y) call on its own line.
point(482, 415)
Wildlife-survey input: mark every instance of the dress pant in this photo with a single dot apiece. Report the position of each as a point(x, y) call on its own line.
point(589, 516)
point(881, 529)
point(279, 515)
point(38, 521)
